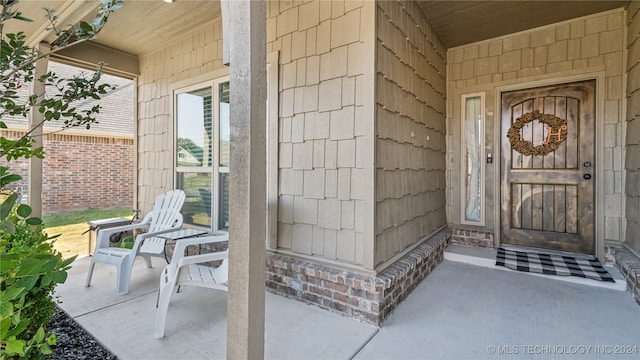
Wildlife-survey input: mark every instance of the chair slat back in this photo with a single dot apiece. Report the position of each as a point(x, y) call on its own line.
point(166, 211)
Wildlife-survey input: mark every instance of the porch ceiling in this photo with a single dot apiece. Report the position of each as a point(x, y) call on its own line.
point(140, 27)
point(463, 22)
point(143, 26)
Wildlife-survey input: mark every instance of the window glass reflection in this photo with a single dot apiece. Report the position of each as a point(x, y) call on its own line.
point(194, 128)
point(224, 202)
point(224, 124)
point(197, 205)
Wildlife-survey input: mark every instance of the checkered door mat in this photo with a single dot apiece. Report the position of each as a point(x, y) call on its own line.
point(552, 264)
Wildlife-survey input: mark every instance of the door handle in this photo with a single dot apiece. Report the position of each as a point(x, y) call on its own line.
point(586, 176)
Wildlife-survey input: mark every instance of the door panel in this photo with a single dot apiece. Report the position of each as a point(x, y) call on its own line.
point(547, 201)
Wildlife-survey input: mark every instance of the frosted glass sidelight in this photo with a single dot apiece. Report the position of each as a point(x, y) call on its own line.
point(473, 153)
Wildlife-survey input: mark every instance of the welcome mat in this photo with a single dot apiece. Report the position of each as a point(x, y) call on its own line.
point(552, 264)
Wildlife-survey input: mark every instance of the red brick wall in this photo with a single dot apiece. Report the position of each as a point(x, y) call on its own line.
point(472, 238)
point(82, 172)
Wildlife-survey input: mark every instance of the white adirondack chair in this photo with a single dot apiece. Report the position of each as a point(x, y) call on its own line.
point(188, 271)
point(165, 217)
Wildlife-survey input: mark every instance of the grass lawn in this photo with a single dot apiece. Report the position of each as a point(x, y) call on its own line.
point(70, 226)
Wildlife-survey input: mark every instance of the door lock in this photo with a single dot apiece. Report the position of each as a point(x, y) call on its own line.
point(586, 176)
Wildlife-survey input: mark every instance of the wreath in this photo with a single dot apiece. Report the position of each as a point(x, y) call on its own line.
point(557, 133)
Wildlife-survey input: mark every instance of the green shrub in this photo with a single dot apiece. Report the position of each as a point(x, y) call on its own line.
point(29, 270)
point(29, 266)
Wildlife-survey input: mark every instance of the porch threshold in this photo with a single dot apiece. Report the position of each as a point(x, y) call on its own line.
point(485, 257)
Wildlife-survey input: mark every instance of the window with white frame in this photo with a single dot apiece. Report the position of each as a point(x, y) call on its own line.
point(472, 172)
point(202, 152)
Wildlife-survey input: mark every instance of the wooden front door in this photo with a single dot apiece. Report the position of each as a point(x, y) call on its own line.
point(548, 167)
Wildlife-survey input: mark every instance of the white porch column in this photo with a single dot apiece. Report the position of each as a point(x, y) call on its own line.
point(35, 124)
point(247, 190)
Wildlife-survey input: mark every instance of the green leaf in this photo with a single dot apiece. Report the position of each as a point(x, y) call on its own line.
point(59, 277)
point(8, 257)
point(6, 308)
point(20, 326)
point(33, 221)
point(22, 18)
point(7, 267)
point(7, 205)
point(67, 262)
point(23, 210)
point(9, 178)
point(7, 262)
point(85, 26)
point(5, 324)
point(10, 294)
point(51, 339)
point(14, 346)
point(39, 335)
point(46, 279)
point(31, 266)
point(28, 282)
point(45, 349)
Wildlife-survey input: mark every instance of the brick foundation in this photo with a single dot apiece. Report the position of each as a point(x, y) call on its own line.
point(629, 266)
point(475, 238)
point(367, 298)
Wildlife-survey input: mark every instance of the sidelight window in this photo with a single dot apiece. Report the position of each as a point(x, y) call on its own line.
point(472, 179)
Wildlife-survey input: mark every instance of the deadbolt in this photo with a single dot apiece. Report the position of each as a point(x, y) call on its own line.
point(586, 176)
point(587, 164)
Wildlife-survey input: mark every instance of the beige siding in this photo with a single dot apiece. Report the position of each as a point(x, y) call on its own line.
point(190, 56)
point(321, 128)
point(587, 45)
point(633, 127)
point(410, 129)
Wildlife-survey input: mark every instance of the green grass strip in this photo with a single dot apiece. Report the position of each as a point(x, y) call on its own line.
point(84, 216)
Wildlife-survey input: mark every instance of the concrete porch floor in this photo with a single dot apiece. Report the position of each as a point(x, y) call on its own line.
point(460, 311)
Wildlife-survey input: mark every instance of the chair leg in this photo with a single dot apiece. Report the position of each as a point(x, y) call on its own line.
point(122, 282)
point(87, 283)
point(164, 298)
point(124, 275)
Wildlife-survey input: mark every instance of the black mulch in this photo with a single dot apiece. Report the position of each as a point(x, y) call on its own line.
point(73, 341)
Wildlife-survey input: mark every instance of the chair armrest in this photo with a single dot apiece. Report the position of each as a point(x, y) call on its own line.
point(156, 233)
point(156, 245)
point(181, 245)
point(105, 233)
point(116, 229)
point(203, 258)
